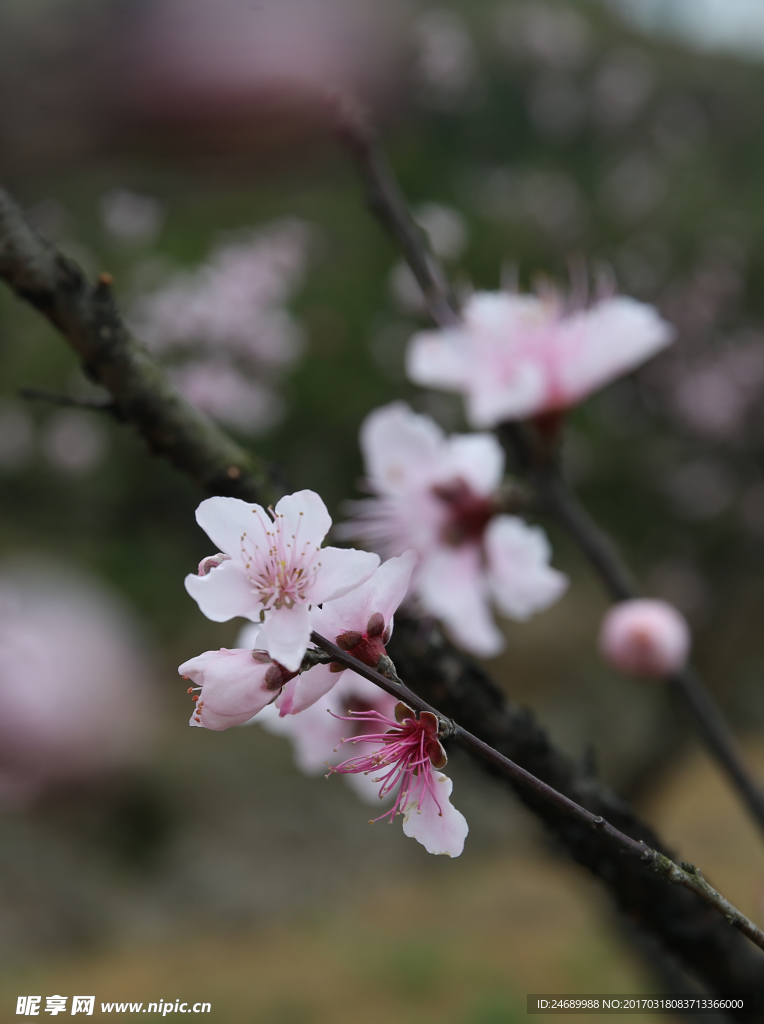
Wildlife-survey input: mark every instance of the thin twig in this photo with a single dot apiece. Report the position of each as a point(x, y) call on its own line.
point(387, 202)
point(75, 401)
point(686, 875)
point(88, 318)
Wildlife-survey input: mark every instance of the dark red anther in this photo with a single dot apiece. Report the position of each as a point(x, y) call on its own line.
point(468, 513)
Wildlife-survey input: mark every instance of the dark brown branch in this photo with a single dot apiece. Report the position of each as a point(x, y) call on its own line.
point(87, 316)
point(685, 926)
point(689, 933)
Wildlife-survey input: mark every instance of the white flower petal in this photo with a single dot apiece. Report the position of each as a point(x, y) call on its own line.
point(606, 341)
point(286, 634)
point(224, 593)
point(438, 826)
point(304, 690)
point(383, 592)
point(438, 359)
point(340, 571)
point(227, 520)
point(519, 574)
point(401, 449)
point(479, 460)
point(305, 517)
point(451, 585)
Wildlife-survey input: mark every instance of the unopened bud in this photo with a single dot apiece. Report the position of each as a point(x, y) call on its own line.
point(211, 562)
point(648, 638)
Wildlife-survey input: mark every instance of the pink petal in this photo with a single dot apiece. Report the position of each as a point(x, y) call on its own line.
point(451, 586)
point(286, 634)
point(479, 460)
point(437, 359)
point(305, 517)
point(400, 448)
point(224, 593)
point(440, 829)
point(383, 592)
point(494, 398)
point(519, 574)
point(340, 571)
point(227, 520)
point(304, 690)
point(606, 341)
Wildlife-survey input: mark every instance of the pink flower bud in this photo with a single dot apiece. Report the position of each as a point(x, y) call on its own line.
point(645, 638)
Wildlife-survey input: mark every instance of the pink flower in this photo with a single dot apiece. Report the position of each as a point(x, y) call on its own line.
point(408, 754)
point(235, 301)
point(645, 638)
point(234, 686)
point(220, 389)
point(361, 623)
point(317, 732)
point(517, 356)
point(276, 570)
point(437, 496)
point(75, 693)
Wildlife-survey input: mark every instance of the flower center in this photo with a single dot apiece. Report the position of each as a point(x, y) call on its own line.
point(284, 574)
point(467, 513)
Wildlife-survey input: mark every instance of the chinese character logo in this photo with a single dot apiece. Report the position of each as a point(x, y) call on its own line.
point(83, 1004)
point(28, 1005)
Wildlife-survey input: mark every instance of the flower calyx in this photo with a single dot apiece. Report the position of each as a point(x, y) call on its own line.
point(429, 726)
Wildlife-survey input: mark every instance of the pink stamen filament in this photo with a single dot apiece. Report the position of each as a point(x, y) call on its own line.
point(404, 749)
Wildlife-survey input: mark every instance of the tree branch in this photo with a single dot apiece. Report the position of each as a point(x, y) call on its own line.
point(685, 926)
point(88, 318)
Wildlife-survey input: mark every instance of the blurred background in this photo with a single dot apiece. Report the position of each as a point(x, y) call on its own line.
point(183, 146)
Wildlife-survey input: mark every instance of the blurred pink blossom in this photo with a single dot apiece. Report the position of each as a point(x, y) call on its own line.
point(360, 622)
point(73, 683)
point(714, 397)
point(277, 569)
point(234, 301)
point(644, 637)
point(223, 392)
point(405, 762)
point(517, 356)
point(437, 495)
point(74, 442)
point(233, 67)
point(225, 326)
